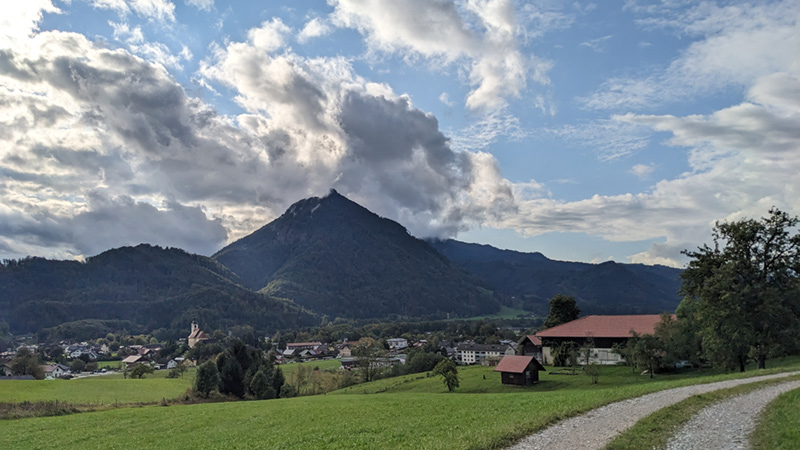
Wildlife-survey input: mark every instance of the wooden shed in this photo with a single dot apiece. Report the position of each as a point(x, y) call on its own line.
point(519, 370)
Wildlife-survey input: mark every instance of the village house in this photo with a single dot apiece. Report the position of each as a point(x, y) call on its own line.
point(472, 353)
point(598, 332)
point(305, 350)
point(197, 335)
point(52, 371)
point(519, 370)
point(397, 343)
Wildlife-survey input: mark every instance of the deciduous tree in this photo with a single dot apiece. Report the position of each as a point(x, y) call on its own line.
point(563, 309)
point(206, 379)
point(448, 370)
point(746, 288)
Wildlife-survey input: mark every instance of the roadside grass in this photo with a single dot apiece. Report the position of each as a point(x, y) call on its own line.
point(779, 425)
point(655, 430)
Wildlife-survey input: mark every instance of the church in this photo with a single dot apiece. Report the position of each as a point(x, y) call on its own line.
point(197, 335)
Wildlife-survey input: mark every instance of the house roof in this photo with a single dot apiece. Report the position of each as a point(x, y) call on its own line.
point(198, 334)
point(535, 340)
point(604, 327)
point(303, 344)
point(516, 364)
point(132, 359)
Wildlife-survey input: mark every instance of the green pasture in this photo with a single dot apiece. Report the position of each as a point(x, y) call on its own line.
point(103, 389)
point(504, 313)
point(417, 413)
point(323, 364)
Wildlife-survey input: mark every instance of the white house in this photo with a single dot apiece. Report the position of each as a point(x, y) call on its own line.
point(471, 353)
point(397, 343)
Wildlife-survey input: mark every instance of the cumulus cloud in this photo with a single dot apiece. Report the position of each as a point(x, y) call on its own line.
point(314, 28)
point(482, 38)
point(100, 147)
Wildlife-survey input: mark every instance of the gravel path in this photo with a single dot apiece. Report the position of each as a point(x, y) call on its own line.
point(727, 424)
point(595, 429)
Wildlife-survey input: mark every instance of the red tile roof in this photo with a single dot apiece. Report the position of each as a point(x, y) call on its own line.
point(604, 327)
point(513, 364)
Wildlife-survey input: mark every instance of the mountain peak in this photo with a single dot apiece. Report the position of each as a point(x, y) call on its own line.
point(334, 256)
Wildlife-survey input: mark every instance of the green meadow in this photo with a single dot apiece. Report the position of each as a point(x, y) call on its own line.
point(407, 412)
point(103, 389)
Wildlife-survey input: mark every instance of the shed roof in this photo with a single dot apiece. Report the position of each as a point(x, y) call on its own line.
point(535, 340)
point(604, 327)
point(516, 364)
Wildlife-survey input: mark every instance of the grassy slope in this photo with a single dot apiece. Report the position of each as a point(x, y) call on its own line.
point(414, 414)
point(779, 426)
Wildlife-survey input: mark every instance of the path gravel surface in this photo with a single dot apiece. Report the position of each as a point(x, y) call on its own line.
point(595, 429)
point(727, 424)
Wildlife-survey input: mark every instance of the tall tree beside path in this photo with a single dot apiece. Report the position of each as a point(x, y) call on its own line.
point(746, 289)
point(563, 309)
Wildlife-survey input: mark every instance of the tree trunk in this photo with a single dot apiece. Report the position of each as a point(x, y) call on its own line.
point(742, 362)
point(762, 360)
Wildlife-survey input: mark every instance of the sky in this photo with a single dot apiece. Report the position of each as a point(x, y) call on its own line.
point(588, 131)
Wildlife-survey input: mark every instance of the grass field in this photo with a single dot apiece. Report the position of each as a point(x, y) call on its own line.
point(104, 389)
point(779, 426)
point(418, 413)
point(324, 364)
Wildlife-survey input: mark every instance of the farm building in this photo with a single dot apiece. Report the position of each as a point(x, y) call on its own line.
point(599, 332)
point(530, 345)
point(519, 370)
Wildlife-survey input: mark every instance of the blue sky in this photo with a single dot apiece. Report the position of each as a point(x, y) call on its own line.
point(617, 130)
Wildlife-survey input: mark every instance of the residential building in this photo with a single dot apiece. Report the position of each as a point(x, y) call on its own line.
point(472, 353)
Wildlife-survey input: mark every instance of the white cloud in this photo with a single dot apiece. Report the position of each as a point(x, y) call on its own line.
point(597, 45)
point(161, 10)
point(202, 5)
point(20, 19)
point(744, 159)
point(441, 33)
point(733, 45)
point(314, 28)
point(642, 171)
point(100, 147)
point(444, 97)
point(270, 36)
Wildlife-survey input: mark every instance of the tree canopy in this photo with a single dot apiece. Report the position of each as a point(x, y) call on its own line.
point(744, 291)
point(563, 309)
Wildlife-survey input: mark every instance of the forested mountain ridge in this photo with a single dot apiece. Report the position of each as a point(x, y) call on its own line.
point(532, 279)
point(149, 287)
point(337, 258)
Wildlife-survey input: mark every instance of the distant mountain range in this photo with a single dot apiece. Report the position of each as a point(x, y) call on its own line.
point(324, 257)
point(529, 280)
